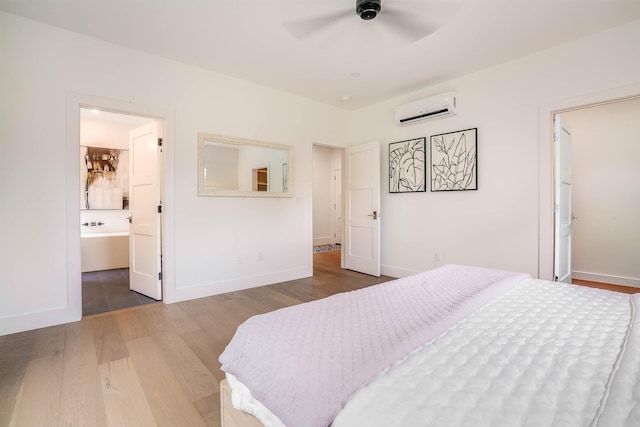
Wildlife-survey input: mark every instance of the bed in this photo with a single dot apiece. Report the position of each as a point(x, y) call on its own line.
point(454, 346)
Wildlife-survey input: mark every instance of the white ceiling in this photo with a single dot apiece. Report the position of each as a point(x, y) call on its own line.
point(362, 59)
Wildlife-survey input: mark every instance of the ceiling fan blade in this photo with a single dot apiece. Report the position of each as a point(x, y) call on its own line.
point(307, 27)
point(407, 25)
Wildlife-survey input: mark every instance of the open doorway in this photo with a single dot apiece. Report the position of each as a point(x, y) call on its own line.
point(327, 203)
point(546, 160)
point(605, 177)
point(112, 255)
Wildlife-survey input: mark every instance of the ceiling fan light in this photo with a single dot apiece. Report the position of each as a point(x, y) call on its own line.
point(367, 9)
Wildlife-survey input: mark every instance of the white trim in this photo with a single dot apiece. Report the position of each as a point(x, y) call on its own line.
point(41, 319)
point(324, 241)
point(113, 234)
point(545, 135)
point(207, 289)
point(606, 278)
point(397, 272)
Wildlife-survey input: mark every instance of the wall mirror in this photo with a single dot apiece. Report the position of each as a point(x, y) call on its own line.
point(237, 167)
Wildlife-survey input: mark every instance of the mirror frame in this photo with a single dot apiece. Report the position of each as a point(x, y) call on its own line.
point(204, 191)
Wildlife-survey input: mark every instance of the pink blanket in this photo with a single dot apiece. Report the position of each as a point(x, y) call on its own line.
point(304, 362)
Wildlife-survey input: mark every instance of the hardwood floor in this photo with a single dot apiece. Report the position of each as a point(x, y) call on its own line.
point(607, 286)
point(151, 365)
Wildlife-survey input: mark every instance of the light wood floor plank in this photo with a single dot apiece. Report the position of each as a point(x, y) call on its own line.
point(49, 342)
point(179, 320)
point(153, 364)
point(233, 312)
point(188, 369)
point(155, 320)
point(109, 343)
point(196, 307)
point(15, 352)
point(38, 400)
point(268, 299)
point(208, 351)
point(130, 325)
point(168, 400)
point(124, 399)
point(81, 398)
point(209, 409)
point(219, 332)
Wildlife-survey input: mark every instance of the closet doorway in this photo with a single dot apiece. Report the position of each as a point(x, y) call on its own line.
point(120, 187)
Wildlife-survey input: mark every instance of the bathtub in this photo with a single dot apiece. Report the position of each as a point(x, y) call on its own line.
point(104, 251)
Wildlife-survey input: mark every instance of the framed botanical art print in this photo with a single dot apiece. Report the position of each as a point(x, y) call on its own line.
point(407, 173)
point(454, 161)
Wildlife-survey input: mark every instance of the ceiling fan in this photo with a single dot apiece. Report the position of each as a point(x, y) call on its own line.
point(413, 22)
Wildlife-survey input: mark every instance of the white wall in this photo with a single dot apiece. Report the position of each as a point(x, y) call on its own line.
point(497, 225)
point(322, 195)
point(216, 241)
point(606, 192)
point(95, 132)
point(326, 160)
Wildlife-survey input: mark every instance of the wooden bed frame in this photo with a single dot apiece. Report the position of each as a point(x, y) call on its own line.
point(230, 416)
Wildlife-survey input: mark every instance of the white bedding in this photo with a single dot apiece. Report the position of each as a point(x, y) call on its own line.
point(542, 354)
point(304, 362)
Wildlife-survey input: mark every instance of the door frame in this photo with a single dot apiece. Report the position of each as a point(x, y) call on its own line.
point(546, 162)
point(76, 101)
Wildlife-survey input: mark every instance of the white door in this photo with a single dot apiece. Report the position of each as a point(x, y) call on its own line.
point(145, 268)
point(362, 208)
point(562, 203)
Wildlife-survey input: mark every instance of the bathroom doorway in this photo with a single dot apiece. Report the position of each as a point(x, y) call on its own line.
point(107, 153)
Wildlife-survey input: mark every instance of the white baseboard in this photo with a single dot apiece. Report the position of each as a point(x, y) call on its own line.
point(58, 316)
point(391, 271)
point(29, 321)
point(317, 241)
point(606, 278)
point(209, 289)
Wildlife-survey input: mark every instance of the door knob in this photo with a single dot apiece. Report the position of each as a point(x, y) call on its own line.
point(130, 218)
point(374, 215)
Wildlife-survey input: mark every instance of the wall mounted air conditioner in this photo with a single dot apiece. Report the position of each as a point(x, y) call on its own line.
point(442, 105)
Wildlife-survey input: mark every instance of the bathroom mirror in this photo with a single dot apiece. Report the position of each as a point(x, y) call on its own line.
point(237, 167)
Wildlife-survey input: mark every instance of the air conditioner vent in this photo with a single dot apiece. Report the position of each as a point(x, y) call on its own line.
point(442, 105)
